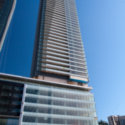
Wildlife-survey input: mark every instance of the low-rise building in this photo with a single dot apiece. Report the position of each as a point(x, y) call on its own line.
point(116, 120)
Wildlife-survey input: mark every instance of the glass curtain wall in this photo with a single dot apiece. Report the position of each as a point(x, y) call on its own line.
point(55, 105)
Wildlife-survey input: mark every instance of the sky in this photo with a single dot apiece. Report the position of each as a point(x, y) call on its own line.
point(102, 24)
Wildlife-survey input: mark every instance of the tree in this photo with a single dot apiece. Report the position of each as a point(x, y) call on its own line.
point(103, 123)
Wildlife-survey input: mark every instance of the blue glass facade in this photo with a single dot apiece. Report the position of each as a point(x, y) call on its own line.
point(5, 10)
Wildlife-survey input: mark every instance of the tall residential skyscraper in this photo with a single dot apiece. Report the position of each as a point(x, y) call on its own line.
point(58, 48)
point(6, 11)
point(58, 92)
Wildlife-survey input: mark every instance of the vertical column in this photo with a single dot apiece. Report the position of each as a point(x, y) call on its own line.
point(22, 105)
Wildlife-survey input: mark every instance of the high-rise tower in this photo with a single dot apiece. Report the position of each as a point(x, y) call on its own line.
point(58, 92)
point(6, 11)
point(58, 47)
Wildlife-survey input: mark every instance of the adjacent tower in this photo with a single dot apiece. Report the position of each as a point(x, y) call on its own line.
point(6, 11)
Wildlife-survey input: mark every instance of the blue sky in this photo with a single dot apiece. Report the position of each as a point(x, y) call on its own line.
point(102, 24)
point(103, 31)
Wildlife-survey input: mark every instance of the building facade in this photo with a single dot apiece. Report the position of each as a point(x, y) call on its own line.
point(58, 46)
point(11, 93)
point(58, 92)
point(59, 57)
point(6, 12)
point(27, 101)
point(116, 120)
